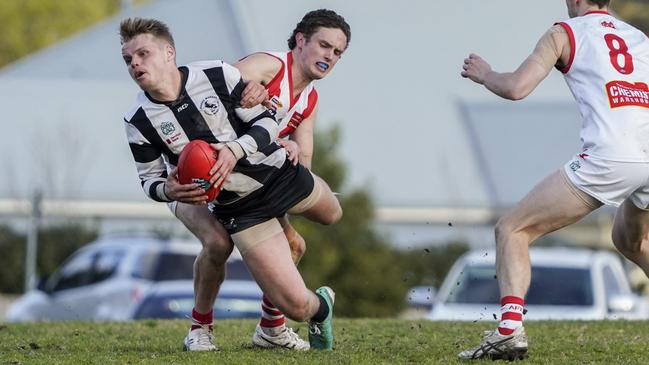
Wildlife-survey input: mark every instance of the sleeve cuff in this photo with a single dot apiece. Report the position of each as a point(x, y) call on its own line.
point(160, 191)
point(236, 149)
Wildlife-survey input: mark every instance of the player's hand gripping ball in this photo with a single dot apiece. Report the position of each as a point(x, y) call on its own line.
point(194, 164)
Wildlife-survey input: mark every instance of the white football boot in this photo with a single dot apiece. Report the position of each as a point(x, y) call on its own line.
point(285, 339)
point(495, 346)
point(199, 339)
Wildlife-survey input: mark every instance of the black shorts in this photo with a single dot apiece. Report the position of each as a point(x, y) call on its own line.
point(290, 185)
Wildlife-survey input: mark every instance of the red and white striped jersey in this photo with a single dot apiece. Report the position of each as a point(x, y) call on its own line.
point(290, 110)
point(608, 74)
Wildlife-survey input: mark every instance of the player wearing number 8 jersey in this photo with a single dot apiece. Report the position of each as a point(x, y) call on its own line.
point(606, 66)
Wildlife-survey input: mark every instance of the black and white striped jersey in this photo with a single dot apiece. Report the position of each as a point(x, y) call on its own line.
point(208, 109)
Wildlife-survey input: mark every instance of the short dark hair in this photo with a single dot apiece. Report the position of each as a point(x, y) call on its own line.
point(132, 27)
point(319, 18)
point(600, 3)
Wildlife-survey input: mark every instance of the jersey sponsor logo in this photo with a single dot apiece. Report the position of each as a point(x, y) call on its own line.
point(182, 107)
point(292, 124)
point(295, 121)
point(622, 93)
point(173, 138)
point(167, 128)
point(273, 105)
point(210, 105)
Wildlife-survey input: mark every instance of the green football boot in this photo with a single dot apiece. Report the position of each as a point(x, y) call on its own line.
point(321, 334)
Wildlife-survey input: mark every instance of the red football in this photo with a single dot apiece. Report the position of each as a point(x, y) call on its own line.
point(194, 164)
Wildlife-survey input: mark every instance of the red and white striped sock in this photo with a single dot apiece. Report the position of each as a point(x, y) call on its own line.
point(511, 314)
point(272, 320)
point(200, 319)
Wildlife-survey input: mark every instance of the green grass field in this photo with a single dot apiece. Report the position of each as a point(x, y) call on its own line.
point(358, 341)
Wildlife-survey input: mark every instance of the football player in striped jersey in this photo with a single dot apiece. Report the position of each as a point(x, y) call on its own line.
point(202, 100)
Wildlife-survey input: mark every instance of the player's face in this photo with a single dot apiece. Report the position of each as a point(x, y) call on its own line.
point(319, 54)
point(147, 59)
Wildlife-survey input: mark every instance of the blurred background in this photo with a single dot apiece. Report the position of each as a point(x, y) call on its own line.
point(425, 161)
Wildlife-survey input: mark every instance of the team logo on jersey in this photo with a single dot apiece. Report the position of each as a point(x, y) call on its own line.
point(622, 93)
point(210, 105)
point(167, 128)
point(608, 24)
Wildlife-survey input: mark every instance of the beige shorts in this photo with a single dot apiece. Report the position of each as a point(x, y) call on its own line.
point(252, 236)
point(610, 182)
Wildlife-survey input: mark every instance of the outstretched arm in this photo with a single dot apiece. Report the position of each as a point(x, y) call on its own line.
point(551, 50)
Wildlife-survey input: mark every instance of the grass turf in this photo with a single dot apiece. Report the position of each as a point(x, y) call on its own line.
point(358, 341)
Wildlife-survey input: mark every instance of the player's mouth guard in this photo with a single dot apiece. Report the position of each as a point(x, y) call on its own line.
point(323, 65)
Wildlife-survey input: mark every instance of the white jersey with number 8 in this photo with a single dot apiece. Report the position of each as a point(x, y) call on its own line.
point(608, 74)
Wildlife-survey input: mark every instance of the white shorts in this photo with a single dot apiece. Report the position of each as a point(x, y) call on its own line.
point(610, 182)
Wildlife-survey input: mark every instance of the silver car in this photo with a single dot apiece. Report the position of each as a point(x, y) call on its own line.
point(112, 277)
point(567, 283)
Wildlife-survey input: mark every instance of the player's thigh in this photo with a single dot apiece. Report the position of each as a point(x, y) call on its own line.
point(271, 265)
point(324, 207)
point(552, 204)
point(200, 221)
point(631, 225)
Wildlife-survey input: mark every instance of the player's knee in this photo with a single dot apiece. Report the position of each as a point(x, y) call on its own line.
point(510, 229)
point(334, 214)
point(503, 230)
point(628, 246)
point(215, 266)
point(216, 248)
point(298, 245)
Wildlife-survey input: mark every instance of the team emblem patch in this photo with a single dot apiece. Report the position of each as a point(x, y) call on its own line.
point(575, 165)
point(210, 105)
point(167, 128)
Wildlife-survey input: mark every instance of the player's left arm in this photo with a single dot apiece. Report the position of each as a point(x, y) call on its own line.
point(303, 136)
point(549, 51)
point(263, 130)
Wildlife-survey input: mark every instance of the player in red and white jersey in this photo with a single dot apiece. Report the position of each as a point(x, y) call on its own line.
point(607, 73)
point(316, 45)
point(291, 105)
point(606, 66)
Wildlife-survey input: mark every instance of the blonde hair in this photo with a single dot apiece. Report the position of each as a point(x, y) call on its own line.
point(132, 27)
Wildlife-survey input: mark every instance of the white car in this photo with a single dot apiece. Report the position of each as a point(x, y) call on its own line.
point(567, 283)
point(109, 280)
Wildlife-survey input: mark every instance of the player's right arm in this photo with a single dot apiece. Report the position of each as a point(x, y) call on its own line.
point(152, 170)
point(551, 50)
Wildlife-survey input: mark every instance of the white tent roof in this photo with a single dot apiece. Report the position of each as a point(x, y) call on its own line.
point(414, 131)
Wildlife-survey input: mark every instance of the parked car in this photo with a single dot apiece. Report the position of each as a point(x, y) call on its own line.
point(421, 297)
point(239, 297)
point(567, 283)
point(110, 279)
